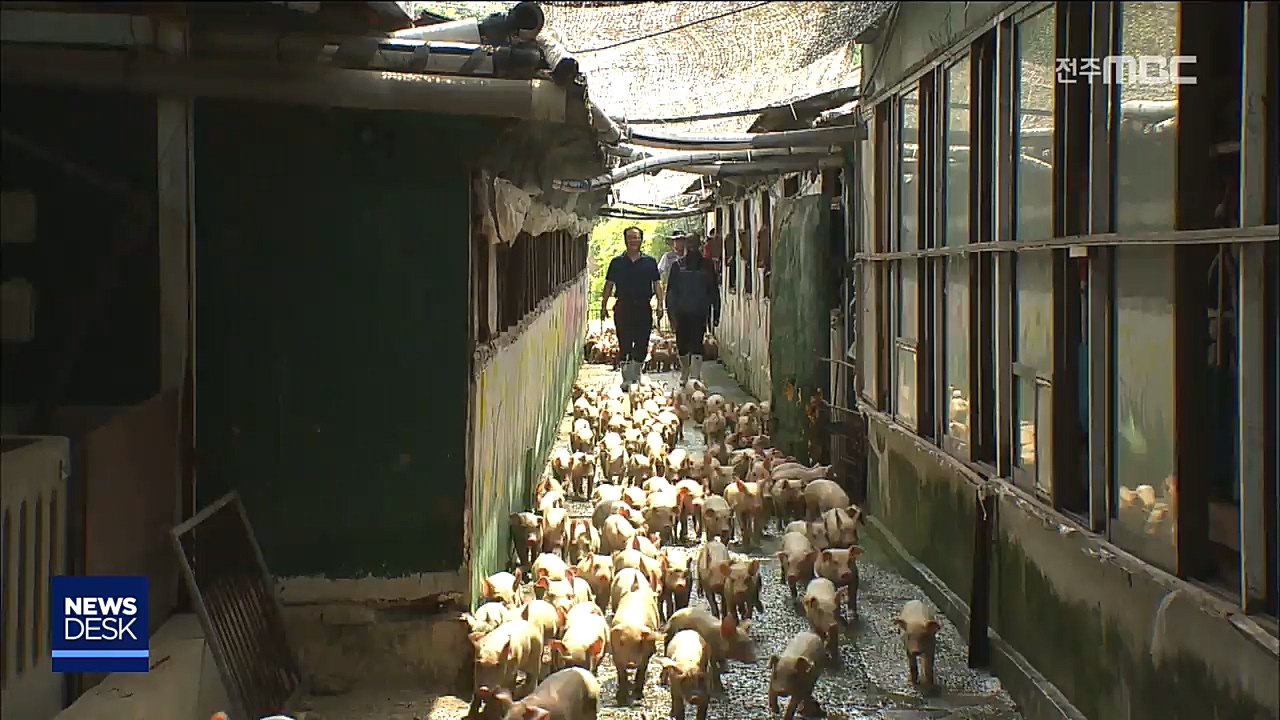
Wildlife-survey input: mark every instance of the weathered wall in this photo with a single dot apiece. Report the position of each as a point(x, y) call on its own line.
point(744, 340)
point(920, 31)
point(1117, 637)
point(331, 329)
point(799, 315)
point(520, 393)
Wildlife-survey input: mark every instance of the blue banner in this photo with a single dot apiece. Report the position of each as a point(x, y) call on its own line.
point(100, 624)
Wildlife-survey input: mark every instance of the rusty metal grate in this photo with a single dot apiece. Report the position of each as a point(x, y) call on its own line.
point(234, 596)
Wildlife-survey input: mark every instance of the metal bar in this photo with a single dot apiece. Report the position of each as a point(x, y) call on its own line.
point(280, 83)
point(1251, 306)
point(1216, 236)
point(1099, 380)
point(1002, 292)
point(980, 592)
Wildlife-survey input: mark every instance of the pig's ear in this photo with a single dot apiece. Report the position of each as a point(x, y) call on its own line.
point(855, 551)
point(542, 582)
point(724, 568)
point(557, 645)
point(810, 601)
point(655, 539)
point(726, 626)
point(803, 664)
point(513, 517)
point(476, 638)
point(740, 485)
point(773, 661)
point(753, 567)
point(597, 648)
point(780, 556)
point(932, 627)
point(826, 556)
point(486, 588)
point(571, 574)
point(900, 623)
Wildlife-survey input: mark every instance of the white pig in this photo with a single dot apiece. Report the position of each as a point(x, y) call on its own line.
point(919, 628)
point(583, 644)
point(819, 604)
point(690, 672)
point(570, 694)
point(794, 672)
point(841, 568)
point(516, 646)
point(796, 559)
point(633, 640)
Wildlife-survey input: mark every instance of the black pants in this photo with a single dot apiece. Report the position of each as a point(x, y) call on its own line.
point(634, 323)
point(689, 331)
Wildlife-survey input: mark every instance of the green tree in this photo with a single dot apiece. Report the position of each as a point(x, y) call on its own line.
point(606, 242)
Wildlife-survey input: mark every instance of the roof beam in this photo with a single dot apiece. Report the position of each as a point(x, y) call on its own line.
point(122, 71)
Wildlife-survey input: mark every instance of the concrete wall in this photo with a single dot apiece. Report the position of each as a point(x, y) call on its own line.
point(1117, 637)
point(519, 394)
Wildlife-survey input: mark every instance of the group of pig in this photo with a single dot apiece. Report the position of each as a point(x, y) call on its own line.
point(619, 580)
point(601, 348)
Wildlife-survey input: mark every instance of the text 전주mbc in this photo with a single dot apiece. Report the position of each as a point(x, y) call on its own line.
point(100, 624)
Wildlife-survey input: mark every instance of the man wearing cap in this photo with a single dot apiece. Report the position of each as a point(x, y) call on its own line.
point(634, 275)
point(676, 242)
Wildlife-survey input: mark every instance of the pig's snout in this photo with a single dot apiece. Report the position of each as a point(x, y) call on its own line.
point(697, 698)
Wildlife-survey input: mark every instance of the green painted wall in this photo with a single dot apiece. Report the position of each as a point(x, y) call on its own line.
point(521, 396)
point(331, 332)
point(1122, 642)
point(800, 323)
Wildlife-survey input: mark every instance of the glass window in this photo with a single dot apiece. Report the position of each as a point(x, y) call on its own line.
point(868, 362)
point(956, 345)
point(1033, 171)
point(1033, 354)
point(908, 300)
point(906, 385)
point(908, 187)
point(956, 192)
point(1143, 420)
point(1146, 141)
point(1033, 309)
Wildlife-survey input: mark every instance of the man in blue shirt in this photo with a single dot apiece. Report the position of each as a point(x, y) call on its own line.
point(634, 276)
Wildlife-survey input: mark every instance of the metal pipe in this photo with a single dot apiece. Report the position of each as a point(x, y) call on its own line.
point(522, 22)
point(744, 141)
point(762, 167)
point(466, 30)
point(564, 67)
point(605, 127)
point(115, 70)
point(652, 164)
point(628, 214)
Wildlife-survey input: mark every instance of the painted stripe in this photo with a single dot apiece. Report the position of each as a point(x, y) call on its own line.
point(101, 654)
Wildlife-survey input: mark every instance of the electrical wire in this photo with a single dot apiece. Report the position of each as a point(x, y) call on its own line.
point(677, 28)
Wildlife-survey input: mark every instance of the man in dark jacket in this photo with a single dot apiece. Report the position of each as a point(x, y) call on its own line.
point(693, 297)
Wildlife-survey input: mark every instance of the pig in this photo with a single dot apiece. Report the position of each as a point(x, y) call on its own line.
point(715, 518)
point(570, 694)
point(597, 570)
point(486, 618)
point(713, 557)
point(582, 437)
point(841, 568)
point(660, 514)
point(822, 495)
point(841, 525)
point(583, 540)
point(615, 462)
point(582, 474)
point(526, 536)
point(550, 566)
point(503, 587)
point(607, 508)
point(515, 646)
point(742, 587)
point(744, 500)
point(788, 498)
point(560, 593)
point(714, 427)
point(550, 499)
point(690, 672)
point(548, 485)
point(794, 672)
point(583, 608)
point(635, 497)
point(676, 568)
point(677, 463)
point(625, 582)
point(617, 533)
point(562, 461)
point(555, 528)
point(639, 467)
point(728, 639)
point(819, 603)
point(583, 644)
point(656, 484)
point(547, 617)
point(648, 546)
point(918, 627)
point(796, 559)
point(633, 637)
point(689, 495)
point(605, 492)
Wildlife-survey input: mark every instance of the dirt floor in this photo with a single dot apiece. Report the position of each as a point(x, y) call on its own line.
point(870, 682)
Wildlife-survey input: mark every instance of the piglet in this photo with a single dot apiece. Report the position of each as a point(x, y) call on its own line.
point(514, 647)
point(918, 627)
point(841, 568)
point(503, 587)
point(677, 567)
point(819, 605)
point(570, 694)
point(794, 673)
point(526, 536)
point(690, 672)
point(633, 638)
point(583, 644)
point(796, 559)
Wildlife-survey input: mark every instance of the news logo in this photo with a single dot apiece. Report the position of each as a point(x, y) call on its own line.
point(100, 624)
